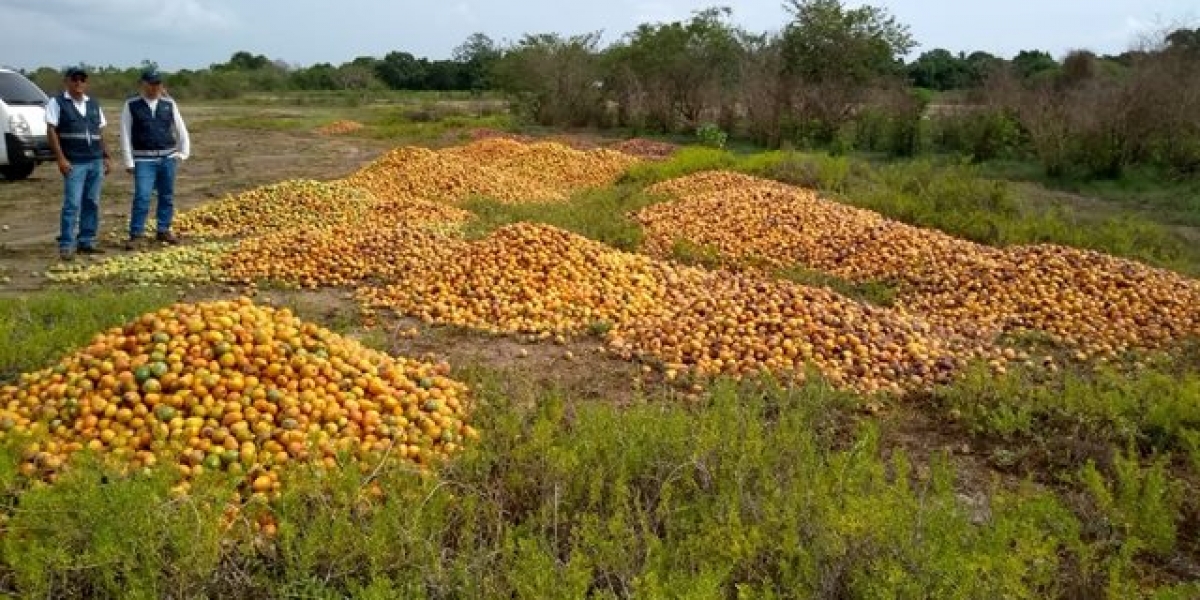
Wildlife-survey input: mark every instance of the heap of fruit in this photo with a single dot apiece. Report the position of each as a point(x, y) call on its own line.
point(196, 263)
point(707, 182)
point(538, 279)
point(740, 324)
point(491, 150)
point(1096, 303)
point(339, 256)
point(497, 168)
point(284, 205)
point(551, 165)
point(340, 127)
point(523, 278)
point(432, 175)
point(483, 133)
point(233, 386)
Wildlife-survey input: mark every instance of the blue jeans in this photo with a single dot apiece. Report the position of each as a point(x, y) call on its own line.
point(158, 175)
point(81, 204)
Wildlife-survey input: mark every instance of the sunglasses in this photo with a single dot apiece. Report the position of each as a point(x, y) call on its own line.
point(79, 78)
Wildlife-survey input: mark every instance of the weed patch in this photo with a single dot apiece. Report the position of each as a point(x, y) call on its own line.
point(36, 329)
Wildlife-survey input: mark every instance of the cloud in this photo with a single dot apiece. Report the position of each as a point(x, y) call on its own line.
point(464, 13)
point(655, 12)
point(133, 17)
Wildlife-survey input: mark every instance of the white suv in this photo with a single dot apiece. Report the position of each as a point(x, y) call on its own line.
point(23, 125)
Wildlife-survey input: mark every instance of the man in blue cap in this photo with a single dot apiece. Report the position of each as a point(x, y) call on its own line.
point(153, 139)
point(74, 124)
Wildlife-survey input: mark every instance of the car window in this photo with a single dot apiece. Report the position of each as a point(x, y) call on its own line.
point(16, 90)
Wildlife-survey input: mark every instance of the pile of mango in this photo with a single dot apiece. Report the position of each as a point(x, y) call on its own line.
point(233, 386)
point(285, 205)
point(538, 279)
point(1097, 304)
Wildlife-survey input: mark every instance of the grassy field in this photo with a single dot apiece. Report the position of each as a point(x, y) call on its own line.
point(1082, 482)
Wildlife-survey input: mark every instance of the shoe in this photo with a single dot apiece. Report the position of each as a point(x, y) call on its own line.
point(89, 250)
point(167, 237)
point(134, 242)
point(66, 255)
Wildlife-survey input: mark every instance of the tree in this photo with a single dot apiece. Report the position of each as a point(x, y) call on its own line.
point(1031, 63)
point(244, 61)
point(1184, 41)
point(828, 42)
point(554, 80)
point(445, 75)
point(677, 71)
point(401, 71)
point(321, 76)
point(832, 56)
point(355, 75)
point(981, 65)
point(938, 69)
point(1078, 67)
point(477, 55)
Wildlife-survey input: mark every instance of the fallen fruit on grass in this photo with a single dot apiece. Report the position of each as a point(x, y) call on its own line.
point(197, 263)
point(1098, 305)
point(285, 205)
point(235, 387)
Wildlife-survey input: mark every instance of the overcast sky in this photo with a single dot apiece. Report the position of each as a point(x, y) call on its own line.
point(194, 34)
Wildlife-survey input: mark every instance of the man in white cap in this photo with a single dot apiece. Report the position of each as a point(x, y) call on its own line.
point(153, 139)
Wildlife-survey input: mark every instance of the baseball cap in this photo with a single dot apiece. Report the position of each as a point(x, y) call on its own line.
point(75, 72)
point(151, 76)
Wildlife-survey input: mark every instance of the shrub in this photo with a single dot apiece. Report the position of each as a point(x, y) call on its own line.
point(711, 135)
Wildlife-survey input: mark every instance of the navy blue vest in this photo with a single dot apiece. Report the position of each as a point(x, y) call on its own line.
point(79, 134)
point(151, 133)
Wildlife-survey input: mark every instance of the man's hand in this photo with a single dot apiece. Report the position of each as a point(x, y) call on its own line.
point(64, 166)
point(107, 165)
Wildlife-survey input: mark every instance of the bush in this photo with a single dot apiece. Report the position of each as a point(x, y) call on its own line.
point(685, 161)
point(711, 135)
point(981, 135)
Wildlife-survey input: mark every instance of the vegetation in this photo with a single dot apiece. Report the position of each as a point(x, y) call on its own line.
point(755, 489)
point(38, 330)
point(1045, 478)
point(954, 198)
point(832, 77)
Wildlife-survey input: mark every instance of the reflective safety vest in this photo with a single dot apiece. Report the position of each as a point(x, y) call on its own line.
point(79, 134)
point(151, 133)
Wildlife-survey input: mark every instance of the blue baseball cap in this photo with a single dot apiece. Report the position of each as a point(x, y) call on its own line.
point(151, 76)
point(75, 72)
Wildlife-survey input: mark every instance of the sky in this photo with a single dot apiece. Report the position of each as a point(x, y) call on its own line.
point(194, 34)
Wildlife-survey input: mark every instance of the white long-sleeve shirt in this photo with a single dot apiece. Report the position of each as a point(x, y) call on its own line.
point(183, 142)
point(53, 112)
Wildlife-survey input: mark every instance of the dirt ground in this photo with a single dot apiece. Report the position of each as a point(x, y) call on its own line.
point(223, 161)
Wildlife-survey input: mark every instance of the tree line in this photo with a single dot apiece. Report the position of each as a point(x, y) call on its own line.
point(832, 77)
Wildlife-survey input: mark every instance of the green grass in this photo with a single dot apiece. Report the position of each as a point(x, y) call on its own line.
point(685, 161)
point(754, 490)
point(37, 329)
point(1157, 196)
point(368, 97)
point(878, 293)
point(599, 214)
point(408, 121)
point(1157, 408)
point(404, 127)
point(957, 199)
point(748, 493)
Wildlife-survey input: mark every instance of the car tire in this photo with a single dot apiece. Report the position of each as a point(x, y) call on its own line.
point(17, 171)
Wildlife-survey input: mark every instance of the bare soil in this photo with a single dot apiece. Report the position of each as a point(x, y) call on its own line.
point(223, 161)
